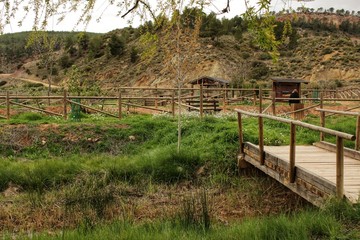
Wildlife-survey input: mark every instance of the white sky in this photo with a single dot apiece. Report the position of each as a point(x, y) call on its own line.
point(111, 21)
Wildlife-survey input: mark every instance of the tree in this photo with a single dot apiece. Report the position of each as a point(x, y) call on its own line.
point(78, 83)
point(44, 10)
point(83, 42)
point(116, 45)
point(44, 44)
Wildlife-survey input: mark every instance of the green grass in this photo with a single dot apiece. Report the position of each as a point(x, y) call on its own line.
point(86, 160)
point(56, 156)
point(314, 224)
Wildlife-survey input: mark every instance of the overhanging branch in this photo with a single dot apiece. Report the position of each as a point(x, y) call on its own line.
point(136, 5)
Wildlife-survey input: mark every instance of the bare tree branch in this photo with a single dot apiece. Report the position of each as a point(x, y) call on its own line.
point(131, 9)
point(227, 9)
point(136, 5)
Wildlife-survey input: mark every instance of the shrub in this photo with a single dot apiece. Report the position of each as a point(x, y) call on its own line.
point(2, 83)
point(33, 85)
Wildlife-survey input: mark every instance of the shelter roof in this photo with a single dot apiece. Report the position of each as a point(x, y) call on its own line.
point(212, 79)
point(288, 80)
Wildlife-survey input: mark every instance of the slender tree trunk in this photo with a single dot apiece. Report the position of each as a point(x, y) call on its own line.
point(178, 83)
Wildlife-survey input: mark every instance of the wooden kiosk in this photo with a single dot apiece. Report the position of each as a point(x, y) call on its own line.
point(283, 87)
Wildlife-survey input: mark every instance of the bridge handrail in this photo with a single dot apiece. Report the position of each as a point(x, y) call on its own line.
point(301, 124)
point(356, 114)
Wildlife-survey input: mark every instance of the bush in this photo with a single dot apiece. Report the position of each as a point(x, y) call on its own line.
point(65, 61)
point(33, 85)
point(134, 55)
point(264, 56)
point(28, 116)
point(326, 50)
point(245, 55)
point(2, 83)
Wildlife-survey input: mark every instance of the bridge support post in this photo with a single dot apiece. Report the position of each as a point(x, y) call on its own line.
point(292, 152)
point(261, 141)
point(241, 163)
point(339, 167)
point(322, 116)
point(241, 140)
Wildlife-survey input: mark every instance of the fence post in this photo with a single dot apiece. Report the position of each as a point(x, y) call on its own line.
point(339, 167)
point(225, 94)
point(7, 105)
point(357, 142)
point(261, 140)
point(120, 104)
point(292, 152)
point(273, 96)
point(65, 104)
point(156, 97)
point(254, 100)
point(201, 101)
point(322, 116)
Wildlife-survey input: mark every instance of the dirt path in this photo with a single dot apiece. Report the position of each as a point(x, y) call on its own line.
point(12, 77)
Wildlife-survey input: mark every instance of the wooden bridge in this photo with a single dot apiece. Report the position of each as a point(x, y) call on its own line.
point(314, 172)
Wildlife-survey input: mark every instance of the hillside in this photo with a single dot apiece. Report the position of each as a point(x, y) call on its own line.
point(317, 50)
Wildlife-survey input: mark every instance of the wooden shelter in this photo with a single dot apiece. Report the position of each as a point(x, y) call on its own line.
point(206, 81)
point(282, 87)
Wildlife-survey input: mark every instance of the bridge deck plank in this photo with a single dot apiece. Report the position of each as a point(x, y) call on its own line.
point(323, 163)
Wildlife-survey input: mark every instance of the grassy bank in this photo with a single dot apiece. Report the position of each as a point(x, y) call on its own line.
point(125, 180)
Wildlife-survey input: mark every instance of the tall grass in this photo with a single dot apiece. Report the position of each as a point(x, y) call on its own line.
point(305, 225)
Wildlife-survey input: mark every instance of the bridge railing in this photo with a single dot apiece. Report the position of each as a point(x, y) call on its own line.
point(340, 136)
point(333, 112)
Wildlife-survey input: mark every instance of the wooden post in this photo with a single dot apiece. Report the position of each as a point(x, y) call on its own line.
point(225, 94)
point(173, 103)
point(292, 152)
point(65, 104)
point(260, 100)
point(357, 141)
point(128, 107)
point(322, 116)
point(273, 95)
point(241, 137)
point(201, 101)
point(7, 105)
point(120, 104)
point(261, 140)
point(254, 100)
point(339, 167)
point(49, 101)
point(156, 97)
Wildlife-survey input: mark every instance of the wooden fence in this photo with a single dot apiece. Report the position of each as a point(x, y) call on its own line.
point(202, 100)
